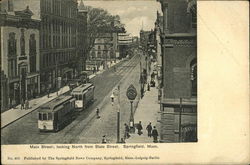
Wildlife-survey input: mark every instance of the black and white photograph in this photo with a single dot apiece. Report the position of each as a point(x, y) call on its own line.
point(98, 72)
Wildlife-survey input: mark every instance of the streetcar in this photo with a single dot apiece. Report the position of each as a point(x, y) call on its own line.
point(84, 96)
point(56, 114)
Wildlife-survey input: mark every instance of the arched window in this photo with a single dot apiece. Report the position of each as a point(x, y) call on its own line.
point(32, 50)
point(32, 44)
point(22, 43)
point(12, 45)
point(193, 77)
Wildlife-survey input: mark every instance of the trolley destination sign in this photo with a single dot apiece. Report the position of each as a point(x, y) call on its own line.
point(131, 92)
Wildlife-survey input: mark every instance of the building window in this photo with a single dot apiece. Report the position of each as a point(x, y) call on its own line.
point(193, 78)
point(12, 45)
point(22, 43)
point(12, 67)
point(32, 50)
point(32, 44)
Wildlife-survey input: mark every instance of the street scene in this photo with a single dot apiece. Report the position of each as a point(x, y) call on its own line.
point(84, 71)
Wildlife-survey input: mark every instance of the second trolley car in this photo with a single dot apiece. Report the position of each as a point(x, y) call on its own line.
point(84, 95)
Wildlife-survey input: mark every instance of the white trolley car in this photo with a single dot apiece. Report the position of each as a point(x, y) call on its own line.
point(84, 95)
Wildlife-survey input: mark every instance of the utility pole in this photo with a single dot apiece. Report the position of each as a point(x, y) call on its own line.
point(180, 119)
point(57, 85)
point(118, 116)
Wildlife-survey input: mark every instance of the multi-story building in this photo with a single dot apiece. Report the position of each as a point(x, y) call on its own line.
point(59, 24)
point(20, 79)
point(82, 37)
point(102, 51)
point(158, 30)
point(144, 36)
point(179, 61)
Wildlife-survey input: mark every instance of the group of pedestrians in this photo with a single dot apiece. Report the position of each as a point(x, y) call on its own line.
point(24, 104)
point(152, 131)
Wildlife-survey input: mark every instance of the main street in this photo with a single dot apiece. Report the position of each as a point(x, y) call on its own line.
point(86, 128)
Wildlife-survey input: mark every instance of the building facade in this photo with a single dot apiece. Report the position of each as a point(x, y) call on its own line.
point(20, 56)
point(58, 57)
point(158, 31)
point(82, 37)
point(102, 52)
point(179, 61)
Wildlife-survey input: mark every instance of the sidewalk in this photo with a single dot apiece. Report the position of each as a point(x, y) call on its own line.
point(146, 112)
point(16, 113)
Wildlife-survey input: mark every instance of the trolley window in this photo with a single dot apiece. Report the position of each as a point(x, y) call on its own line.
point(44, 116)
point(49, 116)
point(80, 97)
point(76, 96)
point(40, 116)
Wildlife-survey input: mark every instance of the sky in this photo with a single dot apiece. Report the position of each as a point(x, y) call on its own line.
point(134, 14)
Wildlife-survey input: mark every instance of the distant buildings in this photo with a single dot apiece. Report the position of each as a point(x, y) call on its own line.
point(20, 62)
point(124, 43)
point(106, 47)
point(103, 50)
point(179, 62)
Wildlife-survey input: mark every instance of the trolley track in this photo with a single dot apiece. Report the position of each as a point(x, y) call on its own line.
point(82, 122)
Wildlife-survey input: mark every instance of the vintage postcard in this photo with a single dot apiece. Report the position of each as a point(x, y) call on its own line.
point(124, 81)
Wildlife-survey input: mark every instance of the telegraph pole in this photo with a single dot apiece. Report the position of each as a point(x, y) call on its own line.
point(118, 116)
point(180, 120)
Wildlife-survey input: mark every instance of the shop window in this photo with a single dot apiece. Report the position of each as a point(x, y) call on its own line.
point(193, 78)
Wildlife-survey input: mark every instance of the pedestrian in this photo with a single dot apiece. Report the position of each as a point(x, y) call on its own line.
point(139, 127)
point(148, 87)
point(27, 104)
point(22, 104)
point(149, 129)
point(122, 140)
point(104, 140)
point(97, 113)
point(126, 135)
point(155, 135)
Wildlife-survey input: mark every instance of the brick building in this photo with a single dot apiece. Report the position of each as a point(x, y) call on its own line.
point(20, 79)
point(179, 61)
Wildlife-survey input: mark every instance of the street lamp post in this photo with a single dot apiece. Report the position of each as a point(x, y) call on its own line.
point(131, 121)
point(118, 110)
